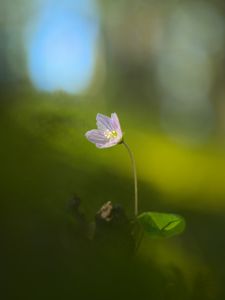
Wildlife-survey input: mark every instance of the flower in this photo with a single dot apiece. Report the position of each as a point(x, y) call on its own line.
point(109, 132)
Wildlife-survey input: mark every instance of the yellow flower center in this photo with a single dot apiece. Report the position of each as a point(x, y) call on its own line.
point(110, 134)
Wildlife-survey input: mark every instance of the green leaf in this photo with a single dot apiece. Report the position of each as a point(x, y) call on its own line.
point(161, 224)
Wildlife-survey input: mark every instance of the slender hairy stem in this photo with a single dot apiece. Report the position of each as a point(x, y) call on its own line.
point(135, 178)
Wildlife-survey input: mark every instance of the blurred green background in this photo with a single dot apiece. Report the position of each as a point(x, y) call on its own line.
point(159, 65)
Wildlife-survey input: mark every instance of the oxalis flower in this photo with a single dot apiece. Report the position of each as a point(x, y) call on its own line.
point(109, 132)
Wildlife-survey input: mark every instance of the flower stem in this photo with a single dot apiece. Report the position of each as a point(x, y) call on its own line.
point(135, 178)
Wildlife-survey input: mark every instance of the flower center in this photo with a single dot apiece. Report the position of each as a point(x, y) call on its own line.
point(110, 134)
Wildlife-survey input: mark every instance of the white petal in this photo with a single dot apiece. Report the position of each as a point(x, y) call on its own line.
point(104, 122)
point(96, 136)
point(116, 124)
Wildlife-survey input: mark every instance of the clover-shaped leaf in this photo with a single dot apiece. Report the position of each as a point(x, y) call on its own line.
point(161, 224)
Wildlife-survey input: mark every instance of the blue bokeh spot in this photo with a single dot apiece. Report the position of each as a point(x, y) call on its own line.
point(61, 47)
